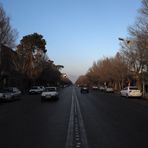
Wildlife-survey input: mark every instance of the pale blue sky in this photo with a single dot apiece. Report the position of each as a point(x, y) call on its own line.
point(77, 32)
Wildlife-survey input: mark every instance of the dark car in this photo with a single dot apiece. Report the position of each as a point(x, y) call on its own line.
point(84, 89)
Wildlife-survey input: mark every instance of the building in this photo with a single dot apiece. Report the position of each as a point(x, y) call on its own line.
point(9, 67)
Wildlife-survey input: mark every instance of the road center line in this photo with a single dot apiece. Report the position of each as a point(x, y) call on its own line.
point(76, 135)
point(81, 123)
point(69, 141)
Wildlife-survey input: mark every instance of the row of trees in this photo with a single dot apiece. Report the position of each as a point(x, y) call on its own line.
point(107, 71)
point(130, 63)
point(32, 62)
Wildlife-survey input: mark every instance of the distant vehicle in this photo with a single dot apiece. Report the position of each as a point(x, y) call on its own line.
point(84, 89)
point(95, 87)
point(5, 95)
point(101, 88)
point(49, 93)
point(131, 91)
point(36, 90)
point(109, 90)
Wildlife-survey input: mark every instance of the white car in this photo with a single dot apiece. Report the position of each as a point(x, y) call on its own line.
point(102, 88)
point(49, 93)
point(36, 90)
point(95, 87)
point(109, 90)
point(131, 91)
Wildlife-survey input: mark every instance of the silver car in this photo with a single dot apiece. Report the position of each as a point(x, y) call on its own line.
point(5, 95)
point(109, 90)
point(36, 90)
point(15, 92)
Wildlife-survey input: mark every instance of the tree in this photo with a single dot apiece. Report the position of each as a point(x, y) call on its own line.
point(8, 35)
point(93, 74)
point(144, 9)
point(136, 51)
point(133, 57)
point(32, 52)
point(50, 75)
point(119, 71)
point(82, 80)
point(110, 71)
point(35, 63)
point(142, 31)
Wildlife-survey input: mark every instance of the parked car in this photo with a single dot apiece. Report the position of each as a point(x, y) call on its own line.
point(84, 89)
point(16, 93)
point(131, 91)
point(5, 95)
point(49, 93)
point(109, 90)
point(36, 90)
point(102, 88)
point(95, 87)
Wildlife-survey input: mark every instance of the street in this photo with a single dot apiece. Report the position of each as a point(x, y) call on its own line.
point(88, 120)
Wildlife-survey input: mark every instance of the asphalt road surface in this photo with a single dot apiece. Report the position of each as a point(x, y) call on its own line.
point(93, 120)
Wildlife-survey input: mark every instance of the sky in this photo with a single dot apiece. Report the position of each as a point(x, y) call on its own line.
point(77, 32)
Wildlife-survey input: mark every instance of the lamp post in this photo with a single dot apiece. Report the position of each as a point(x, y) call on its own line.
point(127, 41)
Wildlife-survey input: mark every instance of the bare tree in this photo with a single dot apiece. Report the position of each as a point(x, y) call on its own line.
point(93, 74)
point(8, 35)
point(144, 9)
point(136, 50)
point(82, 80)
point(119, 71)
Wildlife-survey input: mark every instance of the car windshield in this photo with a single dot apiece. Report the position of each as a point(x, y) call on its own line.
point(4, 90)
point(133, 88)
point(50, 89)
point(35, 87)
point(9, 89)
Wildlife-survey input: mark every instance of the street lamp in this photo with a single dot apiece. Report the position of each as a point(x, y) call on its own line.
point(121, 39)
point(127, 41)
